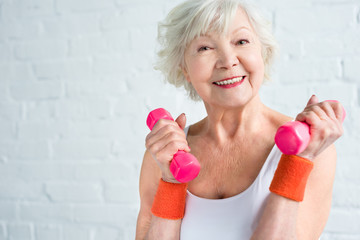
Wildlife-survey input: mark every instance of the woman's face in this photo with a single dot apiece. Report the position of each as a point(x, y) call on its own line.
point(226, 70)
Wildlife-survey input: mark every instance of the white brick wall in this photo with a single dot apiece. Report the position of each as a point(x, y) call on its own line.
point(76, 84)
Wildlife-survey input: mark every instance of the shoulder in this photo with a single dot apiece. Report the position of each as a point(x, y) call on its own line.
point(196, 128)
point(270, 123)
point(276, 118)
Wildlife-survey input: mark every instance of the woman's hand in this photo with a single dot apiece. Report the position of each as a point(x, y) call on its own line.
point(325, 121)
point(166, 138)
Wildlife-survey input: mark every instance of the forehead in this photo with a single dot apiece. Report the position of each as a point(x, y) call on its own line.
point(238, 21)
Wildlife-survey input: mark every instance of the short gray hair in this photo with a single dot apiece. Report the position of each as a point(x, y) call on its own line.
point(194, 18)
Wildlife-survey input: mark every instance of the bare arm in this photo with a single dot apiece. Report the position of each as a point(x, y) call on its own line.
point(149, 226)
point(164, 229)
point(286, 219)
point(165, 139)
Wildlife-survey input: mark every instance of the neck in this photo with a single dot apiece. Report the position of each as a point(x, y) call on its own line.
point(224, 124)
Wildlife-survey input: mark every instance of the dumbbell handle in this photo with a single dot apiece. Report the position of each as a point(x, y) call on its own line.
point(184, 166)
point(293, 137)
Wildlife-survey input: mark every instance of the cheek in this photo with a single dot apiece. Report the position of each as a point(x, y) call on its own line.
point(256, 69)
point(198, 70)
point(255, 64)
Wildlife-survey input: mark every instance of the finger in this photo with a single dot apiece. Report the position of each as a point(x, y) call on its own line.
point(181, 120)
point(165, 133)
point(339, 110)
point(166, 153)
point(313, 99)
point(309, 117)
point(328, 110)
point(161, 123)
point(165, 136)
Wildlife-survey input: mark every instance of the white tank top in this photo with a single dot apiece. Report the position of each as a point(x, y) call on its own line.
point(230, 218)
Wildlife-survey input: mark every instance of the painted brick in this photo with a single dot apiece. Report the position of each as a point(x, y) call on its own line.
point(8, 212)
point(334, 18)
point(70, 26)
point(10, 111)
point(125, 17)
point(113, 193)
point(345, 93)
point(343, 221)
point(109, 84)
point(40, 50)
point(28, 129)
point(22, 191)
point(14, 29)
point(17, 72)
point(332, 236)
point(347, 195)
point(352, 69)
point(112, 172)
point(68, 150)
point(29, 150)
point(46, 232)
point(77, 82)
point(68, 6)
point(74, 192)
point(38, 111)
point(34, 8)
point(70, 70)
point(11, 171)
point(46, 212)
point(74, 232)
point(309, 70)
point(8, 129)
point(111, 215)
point(19, 231)
point(39, 91)
point(2, 232)
point(4, 92)
point(5, 52)
point(327, 48)
point(107, 233)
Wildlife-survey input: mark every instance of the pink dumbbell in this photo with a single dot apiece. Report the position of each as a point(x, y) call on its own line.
point(184, 166)
point(293, 137)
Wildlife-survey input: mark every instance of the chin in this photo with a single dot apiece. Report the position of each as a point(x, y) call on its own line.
point(232, 103)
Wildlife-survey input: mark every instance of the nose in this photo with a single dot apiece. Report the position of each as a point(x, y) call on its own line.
point(227, 58)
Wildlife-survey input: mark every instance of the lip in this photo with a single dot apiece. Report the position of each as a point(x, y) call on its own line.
point(233, 84)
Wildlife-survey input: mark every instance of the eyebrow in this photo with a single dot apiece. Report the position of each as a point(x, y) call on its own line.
point(206, 35)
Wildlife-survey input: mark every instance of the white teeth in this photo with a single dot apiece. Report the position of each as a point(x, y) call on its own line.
point(231, 81)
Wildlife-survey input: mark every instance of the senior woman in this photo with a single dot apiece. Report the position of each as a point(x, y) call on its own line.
point(221, 52)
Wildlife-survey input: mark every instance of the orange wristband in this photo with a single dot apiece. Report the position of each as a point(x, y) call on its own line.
point(291, 177)
point(169, 201)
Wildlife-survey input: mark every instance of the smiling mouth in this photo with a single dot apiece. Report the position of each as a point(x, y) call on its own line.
point(229, 81)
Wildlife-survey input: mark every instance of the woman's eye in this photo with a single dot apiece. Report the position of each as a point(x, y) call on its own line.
point(242, 42)
point(204, 48)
